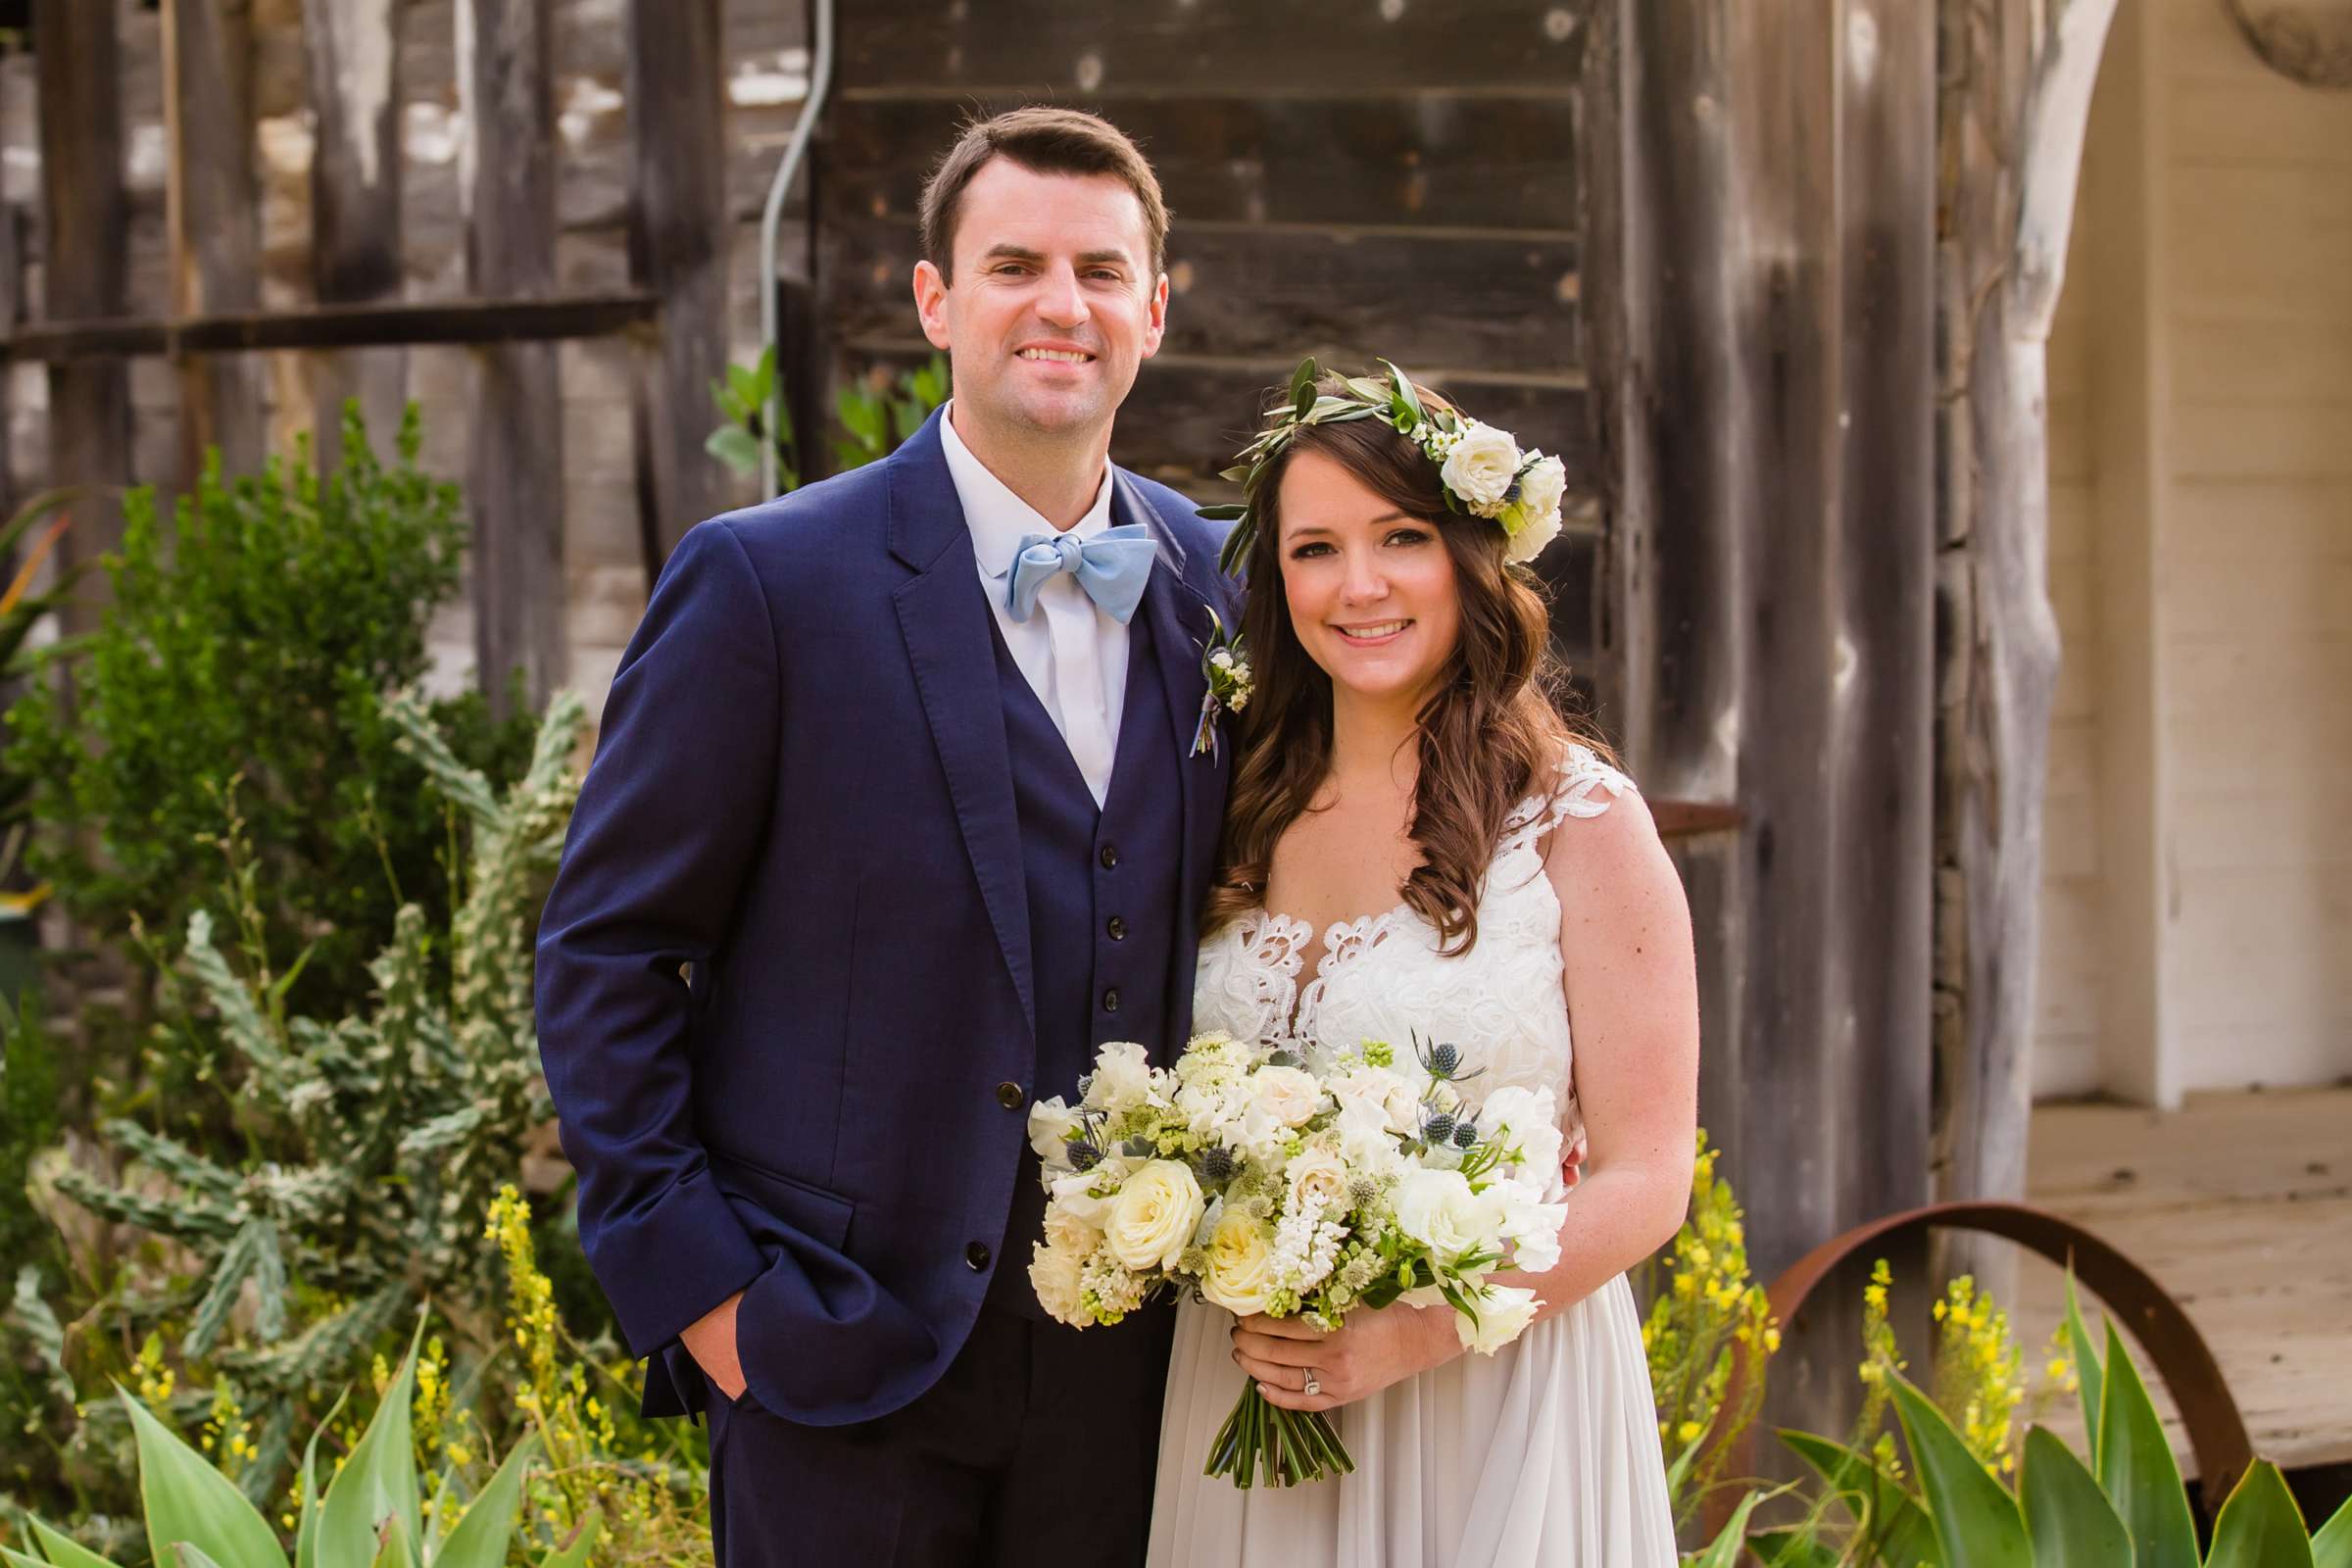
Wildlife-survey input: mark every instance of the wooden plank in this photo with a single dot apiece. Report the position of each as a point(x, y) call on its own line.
point(1495, 304)
point(680, 230)
point(350, 49)
point(338, 327)
point(516, 470)
point(85, 266)
point(1442, 160)
point(1118, 52)
point(214, 226)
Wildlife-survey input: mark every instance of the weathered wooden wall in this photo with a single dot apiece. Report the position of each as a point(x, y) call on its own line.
point(1763, 293)
point(1400, 183)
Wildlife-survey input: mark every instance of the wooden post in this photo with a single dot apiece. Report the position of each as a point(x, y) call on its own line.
point(679, 228)
point(2016, 102)
point(515, 474)
point(216, 247)
point(1761, 287)
point(79, 65)
point(351, 51)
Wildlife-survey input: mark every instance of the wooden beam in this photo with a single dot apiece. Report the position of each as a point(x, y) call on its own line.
point(516, 470)
point(215, 234)
point(679, 230)
point(80, 68)
point(352, 55)
point(346, 327)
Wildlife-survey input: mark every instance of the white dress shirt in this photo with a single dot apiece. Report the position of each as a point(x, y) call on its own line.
point(1074, 656)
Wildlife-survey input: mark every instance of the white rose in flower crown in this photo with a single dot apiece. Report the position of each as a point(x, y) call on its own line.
point(1240, 1271)
point(1051, 1123)
point(1437, 1210)
point(1290, 1096)
point(1503, 1313)
point(1538, 510)
point(1153, 1219)
point(1122, 1078)
point(1055, 1273)
point(1480, 468)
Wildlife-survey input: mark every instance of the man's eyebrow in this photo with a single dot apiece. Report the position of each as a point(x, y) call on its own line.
point(1099, 258)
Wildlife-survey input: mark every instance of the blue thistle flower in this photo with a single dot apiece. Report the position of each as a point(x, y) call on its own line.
point(1216, 1164)
point(1436, 1128)
point(1465, 1135)
point(1084, 1155)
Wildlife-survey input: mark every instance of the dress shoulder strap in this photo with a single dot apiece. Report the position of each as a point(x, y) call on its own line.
point(1582, 785)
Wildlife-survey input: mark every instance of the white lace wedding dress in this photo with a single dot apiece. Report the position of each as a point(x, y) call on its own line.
point(1547, 1454)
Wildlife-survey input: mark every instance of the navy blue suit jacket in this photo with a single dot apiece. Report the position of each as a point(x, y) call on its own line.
point(785, 967)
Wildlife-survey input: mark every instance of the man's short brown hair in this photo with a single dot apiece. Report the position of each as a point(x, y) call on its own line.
point(1044, 140)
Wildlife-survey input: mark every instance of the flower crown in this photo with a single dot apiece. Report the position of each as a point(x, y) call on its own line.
point(1479, 467)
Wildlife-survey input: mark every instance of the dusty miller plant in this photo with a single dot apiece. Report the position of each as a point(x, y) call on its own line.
point(409, 1113)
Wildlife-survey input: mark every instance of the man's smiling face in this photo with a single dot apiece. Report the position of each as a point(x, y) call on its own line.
point(1053, 304)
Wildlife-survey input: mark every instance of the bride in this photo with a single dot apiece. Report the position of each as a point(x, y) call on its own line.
point(1400, 757)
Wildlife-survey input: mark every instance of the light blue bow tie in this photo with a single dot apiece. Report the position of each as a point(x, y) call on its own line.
point(1113, 567)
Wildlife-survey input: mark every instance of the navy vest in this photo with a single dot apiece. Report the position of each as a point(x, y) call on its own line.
point(1102, 894)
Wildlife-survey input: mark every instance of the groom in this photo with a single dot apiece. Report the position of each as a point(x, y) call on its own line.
point(893, 821)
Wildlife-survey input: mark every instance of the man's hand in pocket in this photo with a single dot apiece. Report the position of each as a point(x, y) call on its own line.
point(711, 1340)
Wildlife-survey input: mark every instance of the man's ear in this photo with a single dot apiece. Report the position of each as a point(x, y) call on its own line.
point(931, 303)
point(1157, 325)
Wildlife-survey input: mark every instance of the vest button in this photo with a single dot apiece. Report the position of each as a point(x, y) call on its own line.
point(1010, 1096)
point(1111, 1000)
point(976, 1255)
point(1111, 857)
point(1117, 929)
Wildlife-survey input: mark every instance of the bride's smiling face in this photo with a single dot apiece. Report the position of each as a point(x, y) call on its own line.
point(1371, 590)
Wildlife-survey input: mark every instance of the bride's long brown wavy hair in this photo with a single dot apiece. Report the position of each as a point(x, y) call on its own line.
point(1490, 731)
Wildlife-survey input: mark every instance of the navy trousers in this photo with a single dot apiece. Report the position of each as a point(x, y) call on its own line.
point(1039, 1439)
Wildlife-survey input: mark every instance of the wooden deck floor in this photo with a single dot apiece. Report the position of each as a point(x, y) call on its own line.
point(2241, 1205)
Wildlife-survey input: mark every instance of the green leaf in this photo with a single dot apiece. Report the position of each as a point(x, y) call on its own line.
point(377, 1482)
point(393, 1549)
point(2260, 1526)
point(17, 1559)
point(2135, 1467)
point(1302, 387)
point(62, 1552)
point(2072, 1522)
point(1403, 385)
point(583, 1542)
point(1901, 1530)
point(1977, 1522)
point(484, 1531)
point(861, 415)
point(192, 1555)
point(188, 1499)
point(1724, 1550)
point(2331, 1547)
point(750, 386)
point(736, 447)
point(306, 1532)
point(2087, 1374)
point(1789, 1548)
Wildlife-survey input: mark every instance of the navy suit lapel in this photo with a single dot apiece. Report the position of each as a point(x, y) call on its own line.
point(1179, 611)
point(946, 620)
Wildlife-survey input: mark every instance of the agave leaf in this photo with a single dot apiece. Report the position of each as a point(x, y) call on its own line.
point(377, 1482)
point(2260, 1526)
point(1899, 1529)
point(2331, 1547)
point(2087, 1373)
point(61, 1551)
point(483, 1533)
point(1977, 1522)
point(188, 1499)
point(2072, 1522)
point(306, 1532)
point(17, 1559)
point(2136, 1469)
point(583, 1542)
point(1789, 1548)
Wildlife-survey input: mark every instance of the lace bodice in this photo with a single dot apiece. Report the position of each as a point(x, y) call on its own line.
point(1381, 976)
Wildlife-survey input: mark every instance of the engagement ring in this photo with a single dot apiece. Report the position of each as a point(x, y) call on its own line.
point(1314, 1388)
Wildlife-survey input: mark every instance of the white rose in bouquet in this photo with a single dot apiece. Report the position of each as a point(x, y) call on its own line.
point(1055, 1272)
point(1397, 1098)
point(1318, 1172)
point(1290, 1096)
point(1503, 1315)
point(1437, 1210)
point(1153, 1219)
point(1121, 1079)
point(1069, 1232)
point(1240, 1271)
point(1480, 468)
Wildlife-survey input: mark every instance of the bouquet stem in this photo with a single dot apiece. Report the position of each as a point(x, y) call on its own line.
point(1287, 1445)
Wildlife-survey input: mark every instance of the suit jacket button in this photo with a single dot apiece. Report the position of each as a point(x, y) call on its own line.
point(1111, 1000)
point(1117, 929)
point(977, 1255)
point(1111, 857)
point(1010, 1096)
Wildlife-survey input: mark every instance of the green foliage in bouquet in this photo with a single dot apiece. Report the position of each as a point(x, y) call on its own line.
point(253, 635)
point(374, 1510)
point(403, 1118)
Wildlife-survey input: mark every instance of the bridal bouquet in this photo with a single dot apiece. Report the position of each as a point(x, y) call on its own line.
point(1272, 1183)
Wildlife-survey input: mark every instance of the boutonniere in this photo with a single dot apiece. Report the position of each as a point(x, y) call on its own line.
point(1225, 666)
